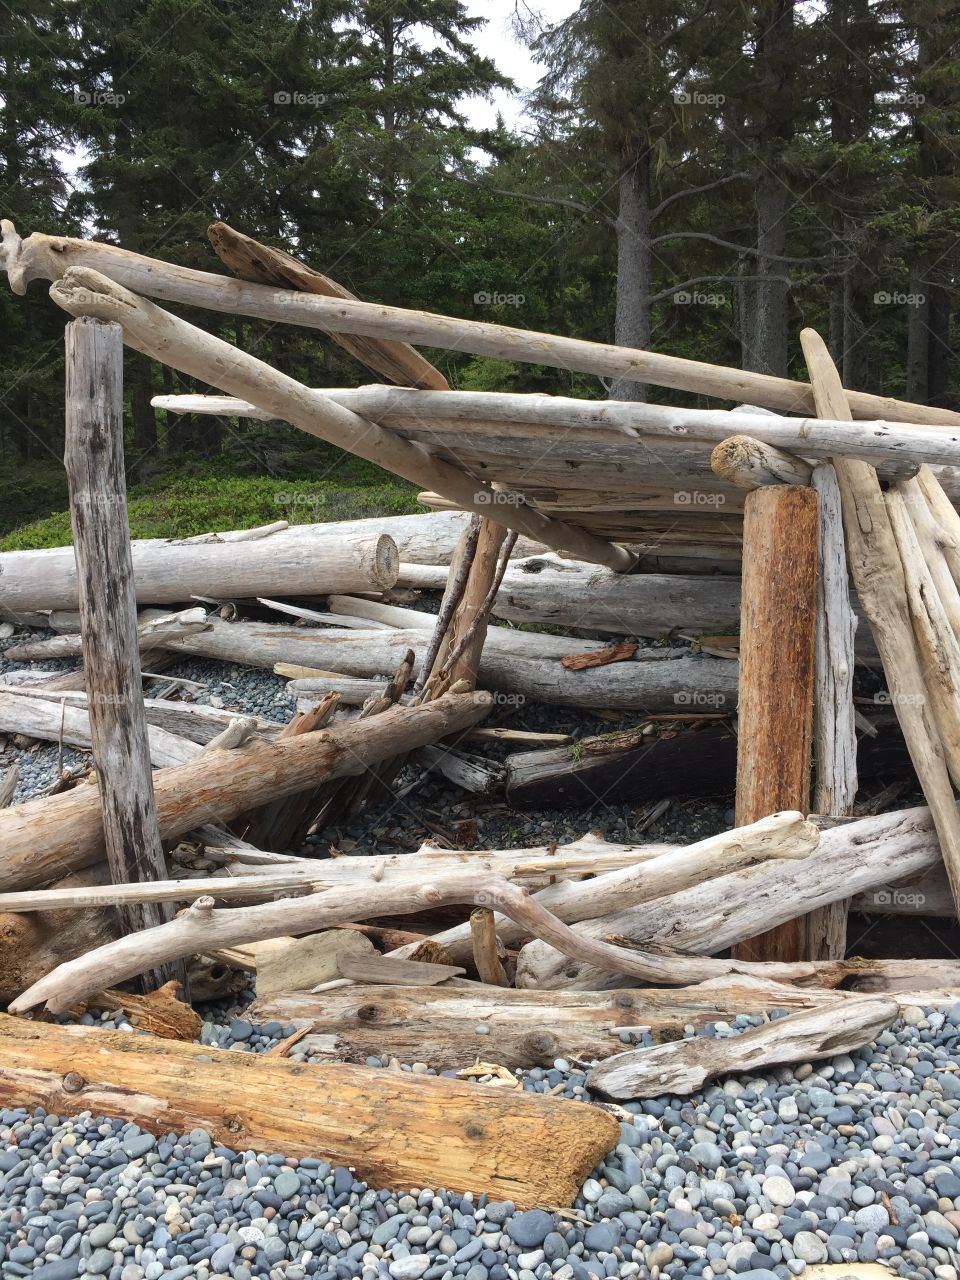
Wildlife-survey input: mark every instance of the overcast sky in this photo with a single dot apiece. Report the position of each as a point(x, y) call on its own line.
point(496, 40)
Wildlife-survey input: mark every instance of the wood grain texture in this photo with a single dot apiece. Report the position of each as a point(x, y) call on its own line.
point(93, 458)
point(395, 1129)
point(775, 712)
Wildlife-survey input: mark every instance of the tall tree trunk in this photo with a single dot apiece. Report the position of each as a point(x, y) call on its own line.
point(918, 337)
point(768, 352)
point(940, 349)
point(634, 264)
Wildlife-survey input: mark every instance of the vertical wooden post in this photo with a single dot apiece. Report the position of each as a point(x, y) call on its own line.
point(108, 612)
point(777, 623)
point(834, 727)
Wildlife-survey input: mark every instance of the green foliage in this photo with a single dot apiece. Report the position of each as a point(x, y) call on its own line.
point(180, 507)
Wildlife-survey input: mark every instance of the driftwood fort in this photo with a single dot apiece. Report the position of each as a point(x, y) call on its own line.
point(728, 580)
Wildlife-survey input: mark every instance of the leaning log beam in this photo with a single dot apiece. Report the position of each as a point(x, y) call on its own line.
point(190, 350)
point(444, 1133)
point(44, 837)
point(48, 257)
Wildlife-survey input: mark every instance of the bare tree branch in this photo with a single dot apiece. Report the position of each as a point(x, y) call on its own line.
point(737, 248)
point(694, 191)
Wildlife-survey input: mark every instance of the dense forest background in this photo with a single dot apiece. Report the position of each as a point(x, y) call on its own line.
point(701, 177)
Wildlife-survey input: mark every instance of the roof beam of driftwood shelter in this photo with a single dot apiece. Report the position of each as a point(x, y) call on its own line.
point(174, 342)
point(48, 257)
point(896, 449)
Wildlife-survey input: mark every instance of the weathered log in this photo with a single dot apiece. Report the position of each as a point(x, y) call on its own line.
point(306, 962)
point(58, 721)
point(749, 463)
point(775, 708)
point(150, 635)
point(877, 572)
point(41, 837)
point(780, 836)
point(486, 948)
point(246, 258)
point(703, 919)
point(183, 346)
point(834, 725)
point(445, 1133)
point(166, 572)
point(48, 257)
point(8, 785)
point(160, 1012)
point(685, 1065)
point(93, 458)
point(440, 1024)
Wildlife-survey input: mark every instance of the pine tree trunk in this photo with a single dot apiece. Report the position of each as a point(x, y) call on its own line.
point(918, 338)
point(634, 257)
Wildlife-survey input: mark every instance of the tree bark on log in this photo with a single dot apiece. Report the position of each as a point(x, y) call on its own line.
point(48, 257)
point(852, 858)
point(685, 1066)
point(446, 1132)
point(94, 464)
point(42, 837)
point(775, 707)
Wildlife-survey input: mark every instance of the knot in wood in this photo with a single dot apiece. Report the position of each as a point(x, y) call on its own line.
point(73, 1082)
point(368, 1013)
point(203, 905)
point(475, 1129)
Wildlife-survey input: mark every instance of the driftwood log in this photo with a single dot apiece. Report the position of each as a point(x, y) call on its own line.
point(94, 463)
point(522, 1028)
point(48, 257)
point(684, 1066)
point(775, 707)
point(852, 858)
point(42, 837)
point(445, 1132)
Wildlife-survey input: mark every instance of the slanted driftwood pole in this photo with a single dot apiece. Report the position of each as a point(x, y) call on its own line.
point(777, 622)
point(108, 613)
point(877, 571)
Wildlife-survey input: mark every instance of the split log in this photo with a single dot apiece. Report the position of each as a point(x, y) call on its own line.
point(446, 1133)
point(159, 1012)
point(474, 774)
point(707, 918)
point(775, 708)
point(41, 837)
point(306, 962)
point(49, 257)
point(150, 635)
point(58, 721)
point(749, 463)
point(937, 644)
point(440, 1024)
point(878, 574)
point(945, 518)
point(246, 258)
point(389, 971)
point(183, 346)
point(939, 553)
point(8, 785)
point(684, 1066)
point(487, 948)
point(167, 572)
point(834, 724)
point(93, 458)
point(780, 836)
